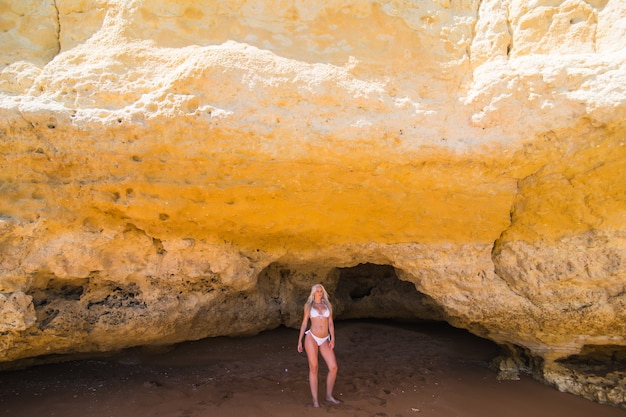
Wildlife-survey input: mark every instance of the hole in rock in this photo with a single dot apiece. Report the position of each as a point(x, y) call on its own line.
point(57, 289)
point(597, 360)
point(363, 291)
point(50, 294)
point(374, 291)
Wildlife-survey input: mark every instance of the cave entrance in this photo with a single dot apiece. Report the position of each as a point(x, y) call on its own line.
point(598, 361)
point(374, 291)
point(363, 291)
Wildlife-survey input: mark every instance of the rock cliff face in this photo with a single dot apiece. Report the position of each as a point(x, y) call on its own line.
point(173, 170)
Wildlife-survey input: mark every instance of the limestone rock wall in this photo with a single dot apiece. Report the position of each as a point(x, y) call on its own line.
point(173, 170)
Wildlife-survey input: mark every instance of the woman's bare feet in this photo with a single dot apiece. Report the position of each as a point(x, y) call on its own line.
point(332, 400)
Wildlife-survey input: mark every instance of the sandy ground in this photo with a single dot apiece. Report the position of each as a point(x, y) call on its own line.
point(385, 369)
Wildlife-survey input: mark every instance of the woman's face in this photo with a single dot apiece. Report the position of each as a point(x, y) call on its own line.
point(318, 293)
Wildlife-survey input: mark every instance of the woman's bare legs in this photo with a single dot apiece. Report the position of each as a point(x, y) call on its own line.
point(311, 352)
point(331, 361)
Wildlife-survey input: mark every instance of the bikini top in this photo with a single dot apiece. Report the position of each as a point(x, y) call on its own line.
point(315, 313)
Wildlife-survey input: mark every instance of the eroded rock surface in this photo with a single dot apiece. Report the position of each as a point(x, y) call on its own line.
point(173, 170)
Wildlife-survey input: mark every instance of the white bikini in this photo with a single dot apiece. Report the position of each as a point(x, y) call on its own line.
point(315, 314)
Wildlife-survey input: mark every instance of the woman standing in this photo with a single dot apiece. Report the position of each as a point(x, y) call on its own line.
point(319, 338)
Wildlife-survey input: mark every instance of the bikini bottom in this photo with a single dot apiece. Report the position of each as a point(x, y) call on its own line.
point(319, 340)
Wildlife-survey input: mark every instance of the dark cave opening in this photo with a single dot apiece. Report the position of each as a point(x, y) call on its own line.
point(370, 290)
point(362, 291)
point(597, 360)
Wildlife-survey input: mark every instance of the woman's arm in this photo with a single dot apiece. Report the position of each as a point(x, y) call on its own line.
point(331, 331)
point(305, 321)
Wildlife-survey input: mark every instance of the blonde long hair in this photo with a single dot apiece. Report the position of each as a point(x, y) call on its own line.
point(325, 300)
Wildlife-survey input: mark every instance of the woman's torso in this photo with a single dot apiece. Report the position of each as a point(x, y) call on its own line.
point(320, 315)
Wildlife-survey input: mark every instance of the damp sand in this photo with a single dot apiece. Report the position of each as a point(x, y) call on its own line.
point(385, 369)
